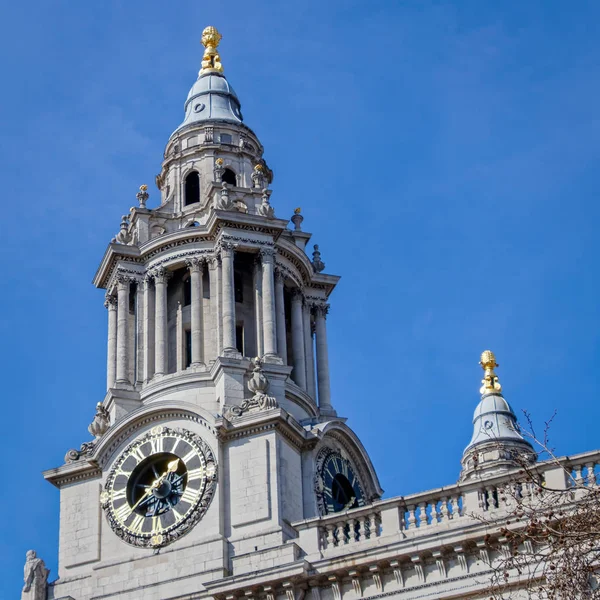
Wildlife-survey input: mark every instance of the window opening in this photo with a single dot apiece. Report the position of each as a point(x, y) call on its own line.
point(187, 291)
point(238, 285)
point(239, 338)
point(188, 348)
point(226, 138)
point(192, 188)
point(229, 177)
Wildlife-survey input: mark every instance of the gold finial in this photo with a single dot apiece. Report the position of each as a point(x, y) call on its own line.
point(297, 211)
point(143, 187)
point(490, 380)
point(219, 161)
point(211, 61)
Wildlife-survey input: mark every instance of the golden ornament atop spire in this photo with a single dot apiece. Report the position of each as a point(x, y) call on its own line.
point(211, 61)
point(490, 381)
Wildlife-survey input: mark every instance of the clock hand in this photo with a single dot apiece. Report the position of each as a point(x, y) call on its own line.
point(171, 468)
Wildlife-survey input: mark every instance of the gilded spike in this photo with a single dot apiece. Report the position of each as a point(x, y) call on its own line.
point(490, 380)
point(211, 61)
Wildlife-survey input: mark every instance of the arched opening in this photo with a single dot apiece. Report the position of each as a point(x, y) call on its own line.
point(229, 177)
point(192, 188)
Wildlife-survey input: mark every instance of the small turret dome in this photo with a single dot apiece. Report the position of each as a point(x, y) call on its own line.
point(211, 98)
point(497, 443)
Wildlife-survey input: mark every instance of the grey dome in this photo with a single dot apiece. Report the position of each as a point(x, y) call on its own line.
point(211, 98)
point(494, 420)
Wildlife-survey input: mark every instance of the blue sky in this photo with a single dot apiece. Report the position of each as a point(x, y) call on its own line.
point(445, 156)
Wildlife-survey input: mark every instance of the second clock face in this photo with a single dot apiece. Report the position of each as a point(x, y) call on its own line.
point(160, 487)
point(338, 488)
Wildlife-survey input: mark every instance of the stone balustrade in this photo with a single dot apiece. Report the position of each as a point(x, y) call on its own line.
point(429, 513)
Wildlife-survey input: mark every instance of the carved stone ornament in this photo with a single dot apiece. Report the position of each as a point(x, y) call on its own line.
point(258, 176)
point(124, 237)
point(297, 219)
point(265, 209)
point(143, 195)
point(317, 263)
point(219, 168)
point(86, 449)
point(35, 577)
point(101, 422)
point(223, 202)
point(258, 384)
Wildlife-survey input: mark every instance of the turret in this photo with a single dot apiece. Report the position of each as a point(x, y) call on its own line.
point(212, 272)
point(497, 443)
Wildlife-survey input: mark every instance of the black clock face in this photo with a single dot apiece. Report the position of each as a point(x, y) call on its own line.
point(339, 488)
point(160, 487)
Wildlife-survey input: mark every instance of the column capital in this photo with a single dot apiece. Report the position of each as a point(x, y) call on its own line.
point(279, 274)
point(321, 309)
point(226, 247)
point(110, 302)
point(267, 254)
point(297, 294)
point(145, 281)
point(213, 260)
point(123, 279)
point(195, 264)
point(160, 275)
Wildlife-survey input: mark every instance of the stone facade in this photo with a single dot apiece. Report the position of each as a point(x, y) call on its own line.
point(288, 503)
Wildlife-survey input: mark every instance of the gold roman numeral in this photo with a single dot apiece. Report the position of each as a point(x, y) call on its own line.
point(121, 494)
point(156, 445)
point(189, 456)
point(138, 454)
point(178, 516)
point(189, 495)
point(123, 512)
point(137, 524)
point(196, 473)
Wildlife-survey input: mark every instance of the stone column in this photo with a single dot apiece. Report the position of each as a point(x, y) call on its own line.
point(322, 358)
point(267, 256)
point(280, 316)
point(258, 305)
point(213, 282)
point(139, 334)
point(308, 350)
point(228, 301)
point(179, 345)
point(160, 321)
point(196, 267)
point(148, 325)
point(111, 366)
point(299, 374)
point(123, 329)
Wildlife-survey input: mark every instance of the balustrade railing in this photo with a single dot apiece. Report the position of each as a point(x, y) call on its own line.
point(425, 513)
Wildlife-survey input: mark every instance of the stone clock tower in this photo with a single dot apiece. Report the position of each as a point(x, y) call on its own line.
point(218, 468)
point(217, 431)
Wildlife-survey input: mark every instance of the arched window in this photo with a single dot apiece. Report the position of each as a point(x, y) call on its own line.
point(229, 177)
point(192, 188)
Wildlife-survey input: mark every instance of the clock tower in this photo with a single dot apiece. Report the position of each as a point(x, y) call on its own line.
point(218, 429)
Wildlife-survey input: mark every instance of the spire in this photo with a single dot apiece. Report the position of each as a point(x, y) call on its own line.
point(497, 443)
point(211, 61)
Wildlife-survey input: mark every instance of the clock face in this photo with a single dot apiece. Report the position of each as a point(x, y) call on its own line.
point(338, 487)
point(159, 487)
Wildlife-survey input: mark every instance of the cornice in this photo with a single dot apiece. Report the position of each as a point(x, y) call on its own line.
point(72, 472)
